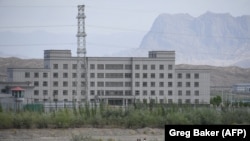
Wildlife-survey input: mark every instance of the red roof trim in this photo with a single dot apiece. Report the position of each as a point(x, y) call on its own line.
point(17, 89)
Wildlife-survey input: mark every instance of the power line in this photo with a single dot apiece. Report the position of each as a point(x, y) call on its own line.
point(111, 45)
point(35, 44)
point(127, 30)
point(37, 6)
point(35, 26)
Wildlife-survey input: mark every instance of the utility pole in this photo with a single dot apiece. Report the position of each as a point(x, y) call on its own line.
point(81, 54)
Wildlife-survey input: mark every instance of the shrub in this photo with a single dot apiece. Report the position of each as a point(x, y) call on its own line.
point(6, 120)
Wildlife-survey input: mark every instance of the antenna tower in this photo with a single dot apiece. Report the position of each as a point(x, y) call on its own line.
point(81, 53)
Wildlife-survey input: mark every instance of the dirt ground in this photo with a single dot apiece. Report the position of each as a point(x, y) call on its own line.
point(104, 134)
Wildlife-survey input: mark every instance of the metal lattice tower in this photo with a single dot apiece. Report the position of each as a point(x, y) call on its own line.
point(81, 53)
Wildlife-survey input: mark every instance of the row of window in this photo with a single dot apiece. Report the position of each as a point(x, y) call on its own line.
point(116, 84)
point(129, 67)
point(187, 75)
point(66, 66)
point(120, 92)
point(141, 84)
point(170, 101)
point(115, 75)
point(36, 75)
point(56, 92)
point(115, 66)
point(129, 75)
point(144, 93)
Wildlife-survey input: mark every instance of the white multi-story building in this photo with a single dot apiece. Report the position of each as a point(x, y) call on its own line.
point(114, 80)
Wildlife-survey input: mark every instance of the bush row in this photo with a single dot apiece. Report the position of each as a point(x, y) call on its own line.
point(136, 116)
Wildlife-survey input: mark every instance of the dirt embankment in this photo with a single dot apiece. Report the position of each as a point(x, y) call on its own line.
point(114, 134)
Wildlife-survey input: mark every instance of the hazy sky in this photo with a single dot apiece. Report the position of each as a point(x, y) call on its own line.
point(111, 25)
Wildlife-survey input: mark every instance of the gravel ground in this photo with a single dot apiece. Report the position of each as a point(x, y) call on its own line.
point(117, 134)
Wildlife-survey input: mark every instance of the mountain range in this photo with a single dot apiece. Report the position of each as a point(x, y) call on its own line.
point(209, 39)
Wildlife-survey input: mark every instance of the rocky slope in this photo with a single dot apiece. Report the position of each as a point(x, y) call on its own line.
point(212, 38)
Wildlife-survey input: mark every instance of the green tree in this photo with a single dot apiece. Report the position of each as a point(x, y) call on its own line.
point(216, 100)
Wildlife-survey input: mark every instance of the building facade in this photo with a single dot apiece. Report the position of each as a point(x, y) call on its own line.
point(241, 88)
point(114, 80)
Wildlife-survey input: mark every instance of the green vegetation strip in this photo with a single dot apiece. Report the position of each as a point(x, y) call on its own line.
point(135, 116)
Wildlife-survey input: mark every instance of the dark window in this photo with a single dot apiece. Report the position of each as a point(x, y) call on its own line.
point(128, 75)
point(55, 92)
point(36, 92)
point(187, 101)
point(45, 92)
point(74, 75)
point(170, 67)
point(161, 84)
point(196, 84)
point(179, 93)
point(170, 93)
point(161, 93)
point(152, 92)
point(137, 67)
point(161, 75)
point(161, 67)
point(45, 75)
point(170, 75)
point(128, 67)
point(74, 83)
point(100, 84)
point(65, 66)
point(27, 75)
point(196, 93)
point(100, 66)
point(92, 66)
point(188, 93)
point(65, 75)
point(65, 84)
point(55, 66)
point(92, 84)
point(45, 83)
point(152, 75)
point(100, 75)
point(137, 75)
point(74, 66)
point(55, 75)
point(55, 84)
point(65, 92)
point(36, 83)
point(137, 92)
point(179, 75)
point(179, 84)
point(137, 84)
point(92, 75)
point(152, 84)
point(170, 84)
point(36, 75)
point(196, 75)
point(152, 67)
